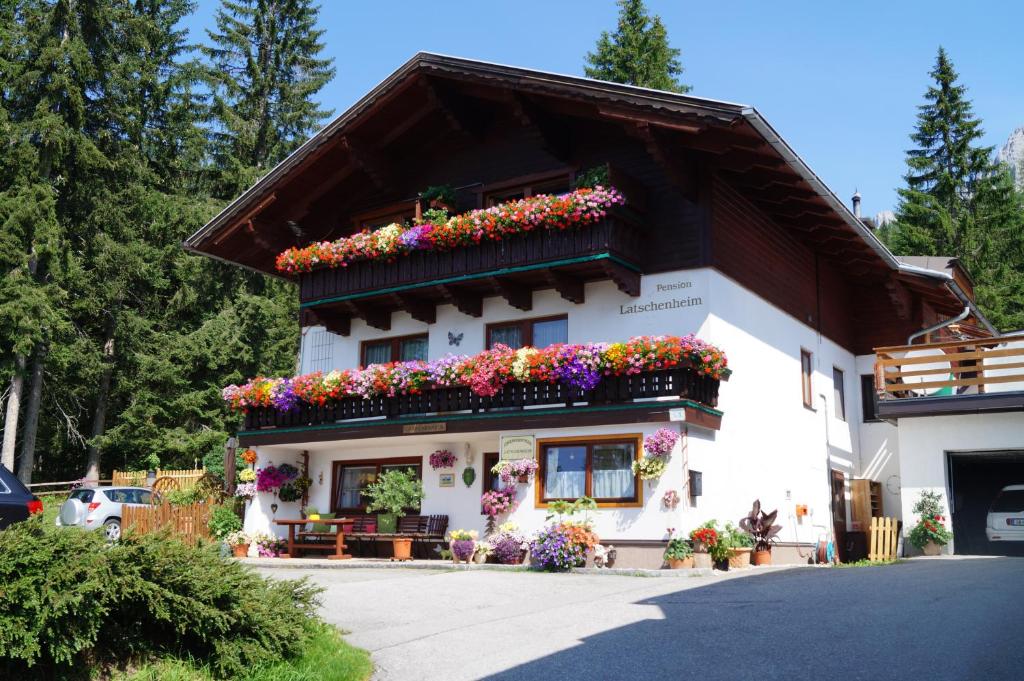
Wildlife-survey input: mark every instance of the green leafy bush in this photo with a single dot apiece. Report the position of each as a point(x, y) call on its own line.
point(223, 521)
point(70, 602)
point(394, 492)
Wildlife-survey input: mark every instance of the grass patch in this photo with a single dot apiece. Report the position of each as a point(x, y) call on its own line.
point(869, 563)
point(327, 657)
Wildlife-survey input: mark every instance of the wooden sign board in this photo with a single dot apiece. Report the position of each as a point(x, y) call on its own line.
point(419, 428)
point(517, 447)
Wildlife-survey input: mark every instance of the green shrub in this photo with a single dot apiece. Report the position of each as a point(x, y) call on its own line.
point(223, 521)
point(70, 602)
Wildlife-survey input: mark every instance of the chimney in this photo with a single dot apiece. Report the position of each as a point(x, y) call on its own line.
point(856, 204)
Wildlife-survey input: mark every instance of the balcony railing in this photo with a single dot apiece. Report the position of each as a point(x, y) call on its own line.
point(951, 368)
point(617, 239)
point(681, 383)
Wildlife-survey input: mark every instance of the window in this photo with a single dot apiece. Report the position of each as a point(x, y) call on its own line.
point(491, 481)
point(601, 469)
point(558, 182)
point(83, 495)
point(1009, 501)
point(868, 398)
point(839, 393)
point(806, 369)
point(352, 477)
point(538, 333)
point(379, 217)
point(401, 349)
point(319, 341)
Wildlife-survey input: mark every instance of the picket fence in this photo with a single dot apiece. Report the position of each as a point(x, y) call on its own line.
point(185, 478)
point(190, 523)
point(884, 539)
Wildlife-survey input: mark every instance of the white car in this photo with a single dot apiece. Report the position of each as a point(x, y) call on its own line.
point(1006, 515)
point(101, 507)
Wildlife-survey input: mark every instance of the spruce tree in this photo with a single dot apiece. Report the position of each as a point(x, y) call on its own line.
point(956, 201)
point(637, 53)
point(264, 71)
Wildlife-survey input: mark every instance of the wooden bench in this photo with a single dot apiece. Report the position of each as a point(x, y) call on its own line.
point(422, 529)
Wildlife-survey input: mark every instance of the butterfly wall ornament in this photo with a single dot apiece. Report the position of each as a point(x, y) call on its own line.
point(455, 339)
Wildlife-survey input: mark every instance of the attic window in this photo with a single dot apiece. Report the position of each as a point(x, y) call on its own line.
point(403, 211)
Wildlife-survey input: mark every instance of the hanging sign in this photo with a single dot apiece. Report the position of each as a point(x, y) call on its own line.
point(517, 447)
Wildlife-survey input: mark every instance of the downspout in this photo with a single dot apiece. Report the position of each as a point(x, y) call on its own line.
point(940, 325)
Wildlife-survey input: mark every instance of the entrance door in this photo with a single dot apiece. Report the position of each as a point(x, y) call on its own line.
point(839, 511)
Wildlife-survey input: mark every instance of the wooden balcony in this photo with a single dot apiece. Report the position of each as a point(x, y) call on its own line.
point(565, 260)
point(951, 376)
point(513, 400)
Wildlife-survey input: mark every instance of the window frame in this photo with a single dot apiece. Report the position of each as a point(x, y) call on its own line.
point(338, 466)
point(396, 345)
point(637, 501)
point(868, 416)
point(525, 328)
point(839, 393)
point(527, 185)
point(806, 377)
point(374, 218)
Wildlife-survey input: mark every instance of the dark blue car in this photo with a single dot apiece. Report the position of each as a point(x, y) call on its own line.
point(16, 502)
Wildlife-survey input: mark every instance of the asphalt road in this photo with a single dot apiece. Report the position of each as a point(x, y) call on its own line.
point(923, 619)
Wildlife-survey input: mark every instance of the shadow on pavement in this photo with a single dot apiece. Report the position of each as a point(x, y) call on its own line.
point(941, 619)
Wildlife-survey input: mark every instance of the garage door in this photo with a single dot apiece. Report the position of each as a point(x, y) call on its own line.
point(976, 479)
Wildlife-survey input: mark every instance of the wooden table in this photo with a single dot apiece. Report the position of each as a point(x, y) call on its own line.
point(339, 538)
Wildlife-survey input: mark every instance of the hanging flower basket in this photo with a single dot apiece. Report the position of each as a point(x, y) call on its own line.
point(442, 458)
point(519, 470)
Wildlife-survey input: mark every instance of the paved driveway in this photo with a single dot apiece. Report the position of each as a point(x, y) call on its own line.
point(934, 619)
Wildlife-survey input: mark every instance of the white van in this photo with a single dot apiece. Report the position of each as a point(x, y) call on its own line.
point(1006, 515)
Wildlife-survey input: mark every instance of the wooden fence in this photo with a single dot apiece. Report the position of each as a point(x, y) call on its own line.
point(190, 522)
point(185, 478)
point(884, 539)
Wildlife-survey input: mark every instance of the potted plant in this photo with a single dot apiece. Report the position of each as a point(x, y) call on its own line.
point(481, 551)
point(740, 546)
point(518, 470)
point(929, 535)
point(239, 542)
point(440, 197)
point(719, 553)
point(509, 545)
point(462, 544)
point(759, 525)
point(392, 493)
point(678, 554)
point(703, 538)
point(442, 458)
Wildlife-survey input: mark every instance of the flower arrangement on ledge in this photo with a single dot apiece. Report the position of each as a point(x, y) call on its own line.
point(495, 502)
point(521, 470)
point(442, 458)
point(577, 366)
point(544, 211)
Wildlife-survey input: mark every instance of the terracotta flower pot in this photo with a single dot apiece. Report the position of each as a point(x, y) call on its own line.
point(701, 559)
point(680, 563)
point(932, 549)
point(762, 557)
point(401, 548)
point(739, 557)
point(240, 550)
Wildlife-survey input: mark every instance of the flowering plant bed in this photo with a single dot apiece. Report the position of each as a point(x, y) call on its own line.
point(508, 544)
point(579, 207)
point(562, 546)
point(575, 367)
point(442, 458)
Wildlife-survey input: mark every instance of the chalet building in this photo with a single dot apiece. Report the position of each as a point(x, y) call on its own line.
point(725, 233)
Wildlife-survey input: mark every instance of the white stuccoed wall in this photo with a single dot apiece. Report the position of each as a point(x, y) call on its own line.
point(924, 442)
point(770, 447)
point(879, 447)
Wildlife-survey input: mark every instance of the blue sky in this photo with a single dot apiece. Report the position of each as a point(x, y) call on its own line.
point(840, 80)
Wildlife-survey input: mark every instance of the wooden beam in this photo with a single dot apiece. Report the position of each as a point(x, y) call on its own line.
point(373, 315)
point(568, 286)
point(554, 136)
point(467, 302)
point(246, 218)
point(369, 160)
point(419, 309)
point(332, 319)
point(631, 117)
point(518, 296)
point(626, 279)
point(656, 147)
point(453, 107)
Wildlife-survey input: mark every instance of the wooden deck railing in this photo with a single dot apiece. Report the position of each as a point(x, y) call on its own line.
point(617, 235)
point(682, 383)
point(957, 367)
